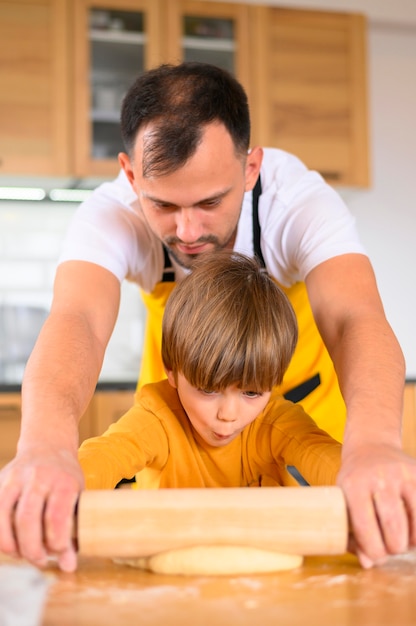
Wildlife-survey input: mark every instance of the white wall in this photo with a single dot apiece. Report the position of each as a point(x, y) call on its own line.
point(386, 214)
point(31, 237)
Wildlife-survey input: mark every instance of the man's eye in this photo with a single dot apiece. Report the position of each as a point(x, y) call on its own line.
point(210, 204)
point(164, 207)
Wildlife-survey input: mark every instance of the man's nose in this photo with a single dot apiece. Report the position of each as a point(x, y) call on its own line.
point(188, 225)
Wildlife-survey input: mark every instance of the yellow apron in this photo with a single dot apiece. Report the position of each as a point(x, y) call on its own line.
point(310, 378)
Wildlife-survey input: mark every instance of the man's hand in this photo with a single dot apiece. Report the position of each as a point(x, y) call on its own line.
point(39, 490)
point(379, 483)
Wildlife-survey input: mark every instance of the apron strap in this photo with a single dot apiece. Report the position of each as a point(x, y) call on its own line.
point(168, 275)
point(297, 394)
point(256, 223)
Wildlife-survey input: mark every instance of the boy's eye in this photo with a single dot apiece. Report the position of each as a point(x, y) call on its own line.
point(207, 392)
point(252, 394)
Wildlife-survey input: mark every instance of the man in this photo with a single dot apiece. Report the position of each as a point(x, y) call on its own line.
point(190, 182)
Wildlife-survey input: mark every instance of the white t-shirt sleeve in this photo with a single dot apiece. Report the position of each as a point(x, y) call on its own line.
point(304, 222)
point(109, 230)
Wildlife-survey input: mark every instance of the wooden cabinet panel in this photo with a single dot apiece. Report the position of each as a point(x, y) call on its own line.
point(105, 408)
point(309, 86)
point(9, 425)
point(109, 406)
point(34, 80)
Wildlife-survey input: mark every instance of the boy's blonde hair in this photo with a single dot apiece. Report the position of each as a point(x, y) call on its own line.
point(228, 323)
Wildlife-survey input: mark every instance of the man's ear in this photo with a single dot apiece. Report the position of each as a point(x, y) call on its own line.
point(253, 165)
point(171, 378)
point(125, 164)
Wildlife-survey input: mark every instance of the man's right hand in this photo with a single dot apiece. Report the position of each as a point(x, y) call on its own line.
point(39, 490)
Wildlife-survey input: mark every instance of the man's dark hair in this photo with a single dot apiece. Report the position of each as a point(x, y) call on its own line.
point(179, 101)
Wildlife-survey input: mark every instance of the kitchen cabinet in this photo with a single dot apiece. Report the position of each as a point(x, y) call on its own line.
point(9, 425)
point(34, 87)
point(210, 32)
point(108, 405)
point(104, 408)
point(309, 89)
point(65, 66)
point(114, 41)
point(304, 73)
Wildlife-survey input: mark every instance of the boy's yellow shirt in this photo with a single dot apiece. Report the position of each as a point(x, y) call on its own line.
point(156, 442)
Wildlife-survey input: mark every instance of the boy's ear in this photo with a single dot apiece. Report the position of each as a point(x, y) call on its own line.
point(171, 378)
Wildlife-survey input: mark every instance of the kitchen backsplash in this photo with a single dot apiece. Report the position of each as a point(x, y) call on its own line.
point(30, 240)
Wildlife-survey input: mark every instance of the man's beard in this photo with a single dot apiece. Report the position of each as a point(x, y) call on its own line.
point(187, 260)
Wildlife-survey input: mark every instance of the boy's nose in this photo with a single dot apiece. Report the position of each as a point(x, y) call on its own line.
point(227, 412)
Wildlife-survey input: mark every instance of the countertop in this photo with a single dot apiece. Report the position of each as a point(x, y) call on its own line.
point(106, 385)
point(330, 591)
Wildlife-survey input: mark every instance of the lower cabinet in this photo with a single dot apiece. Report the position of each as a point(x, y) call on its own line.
point(105, 407)
point(9, 425)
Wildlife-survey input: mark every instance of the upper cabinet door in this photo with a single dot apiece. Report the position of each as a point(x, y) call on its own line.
point(34, 128)
point(115, 40)
point(209, 32)
point(309, 89)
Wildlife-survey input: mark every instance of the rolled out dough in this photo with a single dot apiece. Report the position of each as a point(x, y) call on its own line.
point(216, 560)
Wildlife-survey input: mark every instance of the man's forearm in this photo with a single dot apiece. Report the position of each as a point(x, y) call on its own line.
point(371, 373)
point(58, 384)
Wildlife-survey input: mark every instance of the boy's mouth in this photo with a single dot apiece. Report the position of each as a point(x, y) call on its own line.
point(221, 437)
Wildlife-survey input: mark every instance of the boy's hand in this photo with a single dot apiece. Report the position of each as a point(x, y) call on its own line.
point(39, 490)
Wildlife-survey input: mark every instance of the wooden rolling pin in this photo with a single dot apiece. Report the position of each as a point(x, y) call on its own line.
point(293, 520)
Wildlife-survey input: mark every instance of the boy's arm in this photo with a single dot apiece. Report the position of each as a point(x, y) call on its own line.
point(135, 441)
point(297, 439)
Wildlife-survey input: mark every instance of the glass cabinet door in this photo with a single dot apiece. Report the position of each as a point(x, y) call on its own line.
point(209, 40)
point(114, 43)
point(116, 50)
point(210, 32)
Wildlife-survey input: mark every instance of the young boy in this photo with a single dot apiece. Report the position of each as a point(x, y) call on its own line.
point(229, 333)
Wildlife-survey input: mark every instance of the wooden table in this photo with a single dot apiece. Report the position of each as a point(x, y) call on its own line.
point(331, 591)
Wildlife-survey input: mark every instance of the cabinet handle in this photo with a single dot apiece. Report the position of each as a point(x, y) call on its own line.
point(330, 175)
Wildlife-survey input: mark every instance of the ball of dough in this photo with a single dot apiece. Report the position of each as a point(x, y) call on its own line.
point(216, 560)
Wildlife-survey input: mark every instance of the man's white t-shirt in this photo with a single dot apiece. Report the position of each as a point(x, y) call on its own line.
point(303, 223)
